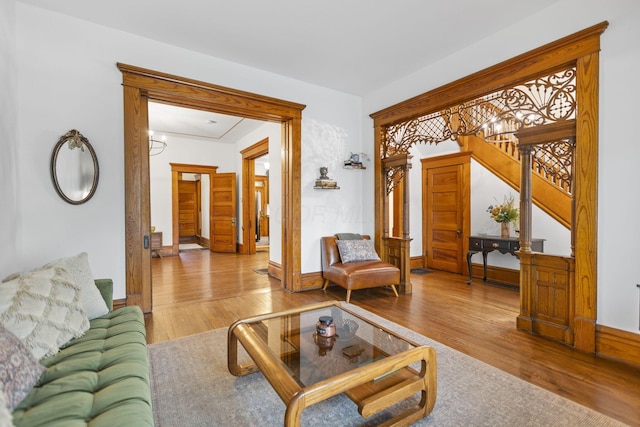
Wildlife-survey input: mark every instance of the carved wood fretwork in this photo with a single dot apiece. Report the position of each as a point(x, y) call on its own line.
point(554, 160)
point(495, 116)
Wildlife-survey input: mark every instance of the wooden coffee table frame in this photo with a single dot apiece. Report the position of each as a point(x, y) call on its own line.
point(370, 396)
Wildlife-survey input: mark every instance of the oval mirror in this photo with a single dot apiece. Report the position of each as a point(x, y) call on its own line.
point(74, 168)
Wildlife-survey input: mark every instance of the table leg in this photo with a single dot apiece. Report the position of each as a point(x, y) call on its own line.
point(484, 263)
point(469, 265)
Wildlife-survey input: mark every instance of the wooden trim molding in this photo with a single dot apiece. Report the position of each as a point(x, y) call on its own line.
point(508, 276)
point(417, 261)
point(617, 344)
point(119, 303)
point(142, 85)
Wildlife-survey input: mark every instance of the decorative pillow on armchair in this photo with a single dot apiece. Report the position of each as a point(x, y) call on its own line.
point(43, 310)
point(19, 371)
point(357, 250)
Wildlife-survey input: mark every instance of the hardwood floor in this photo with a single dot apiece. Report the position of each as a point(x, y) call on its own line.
point(199, 291)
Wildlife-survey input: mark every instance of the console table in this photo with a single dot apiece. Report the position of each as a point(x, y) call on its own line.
point(486, 244)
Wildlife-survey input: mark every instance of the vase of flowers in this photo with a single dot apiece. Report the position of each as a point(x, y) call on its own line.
point(504, 213)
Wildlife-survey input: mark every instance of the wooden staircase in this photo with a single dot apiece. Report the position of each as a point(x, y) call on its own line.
point(503, 160)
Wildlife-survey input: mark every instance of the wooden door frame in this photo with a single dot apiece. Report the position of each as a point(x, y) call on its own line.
point(141, 86)
point(263, 188)
point(249, 155)
point(582, 50)
point(176, 170)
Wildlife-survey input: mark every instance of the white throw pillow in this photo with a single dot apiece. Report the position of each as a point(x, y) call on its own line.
point(43, 309)
point(6, 419)
point(90, 296)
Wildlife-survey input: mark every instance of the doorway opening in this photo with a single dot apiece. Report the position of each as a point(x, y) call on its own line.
point(255, 190)
point(142, 85)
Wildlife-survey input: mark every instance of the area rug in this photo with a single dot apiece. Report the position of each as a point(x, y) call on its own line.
point(190, 246)
point(191, 386)
point(262, 271)
point(420, 271)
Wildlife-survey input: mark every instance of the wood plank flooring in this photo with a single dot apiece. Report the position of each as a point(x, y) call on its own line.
point(200, 291)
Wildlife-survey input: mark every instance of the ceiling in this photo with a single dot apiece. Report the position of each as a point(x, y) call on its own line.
point(351, 46)
point(178, 122)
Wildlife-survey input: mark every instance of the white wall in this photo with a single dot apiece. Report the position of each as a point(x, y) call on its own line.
point(67, 78)
point(618, 190)
point(9, 212)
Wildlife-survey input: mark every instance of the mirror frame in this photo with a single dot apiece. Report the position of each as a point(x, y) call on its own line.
point(78, 140)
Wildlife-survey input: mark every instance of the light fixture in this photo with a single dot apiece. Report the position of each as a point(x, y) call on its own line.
point(156, 146)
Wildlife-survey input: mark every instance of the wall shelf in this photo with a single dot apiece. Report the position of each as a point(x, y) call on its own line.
point(354, 166)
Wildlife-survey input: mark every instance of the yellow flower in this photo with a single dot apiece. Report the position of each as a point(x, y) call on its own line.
point(505, 212)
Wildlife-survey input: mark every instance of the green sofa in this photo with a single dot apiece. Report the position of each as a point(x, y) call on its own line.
point(99, 379)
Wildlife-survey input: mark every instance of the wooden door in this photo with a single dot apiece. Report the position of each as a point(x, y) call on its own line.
point(188, 209)
point(223, 227)
point(262, 187)
point(445, 200)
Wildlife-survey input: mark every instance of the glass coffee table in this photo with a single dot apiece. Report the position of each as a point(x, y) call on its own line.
point(373, 366)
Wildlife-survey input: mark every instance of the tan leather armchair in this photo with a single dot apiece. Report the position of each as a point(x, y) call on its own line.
point(355, 275)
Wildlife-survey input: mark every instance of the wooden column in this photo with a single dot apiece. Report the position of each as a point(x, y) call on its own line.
point(398, 250)
point(525, 197)
point(586, 202)
point(547, 282)
point(524, 320)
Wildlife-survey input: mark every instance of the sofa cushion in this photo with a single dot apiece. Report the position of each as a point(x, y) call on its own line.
point(99, 379)
point(357, 250)
point(19, 370)
point(90, 296)
point(43, 309)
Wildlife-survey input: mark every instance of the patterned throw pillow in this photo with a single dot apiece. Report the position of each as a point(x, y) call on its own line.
point(43, 310)
point(357, 250)
point(19, 371)
point(90, 296)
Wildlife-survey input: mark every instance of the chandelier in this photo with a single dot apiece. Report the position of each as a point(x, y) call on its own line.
point(156, 146)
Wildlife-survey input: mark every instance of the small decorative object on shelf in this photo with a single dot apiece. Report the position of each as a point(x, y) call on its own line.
point(324, 182)
point(354, 162)
point(504, 213)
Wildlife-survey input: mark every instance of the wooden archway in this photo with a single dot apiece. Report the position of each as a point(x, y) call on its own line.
point(141, 86)
point(580, 50)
